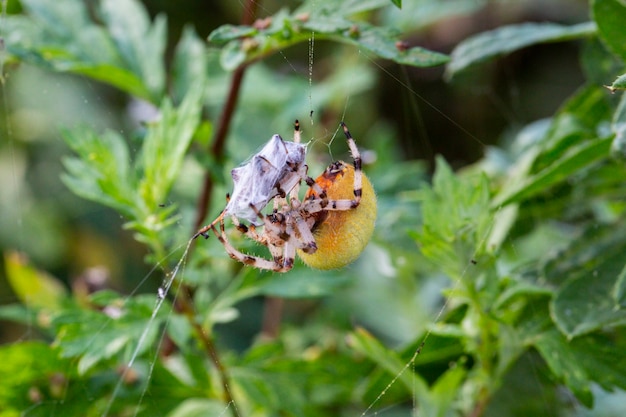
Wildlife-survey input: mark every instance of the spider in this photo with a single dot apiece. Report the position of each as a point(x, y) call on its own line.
point(328, 228)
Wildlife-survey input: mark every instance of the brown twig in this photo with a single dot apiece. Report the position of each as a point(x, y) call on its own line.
point(219, 140)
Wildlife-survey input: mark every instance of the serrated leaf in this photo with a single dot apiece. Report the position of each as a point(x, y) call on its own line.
point(102, 171)
point(165, 145)
point(501, 41)
point(61, 36)
point(140, 43)
point(610, 16)
point(94, 336)
point(36, 289)
point(456, 219)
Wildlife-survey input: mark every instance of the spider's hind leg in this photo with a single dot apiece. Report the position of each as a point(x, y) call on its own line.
point(356, 156)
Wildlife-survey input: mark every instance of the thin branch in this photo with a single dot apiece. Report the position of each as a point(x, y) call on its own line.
point(219, 139)
point(217, 148)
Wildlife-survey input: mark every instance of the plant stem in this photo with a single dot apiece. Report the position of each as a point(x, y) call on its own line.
point(185, 304)
point(219, 140)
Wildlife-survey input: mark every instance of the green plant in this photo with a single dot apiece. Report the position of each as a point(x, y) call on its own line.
point(527, 244)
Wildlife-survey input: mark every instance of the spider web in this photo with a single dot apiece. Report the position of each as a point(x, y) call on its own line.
point(166, 289)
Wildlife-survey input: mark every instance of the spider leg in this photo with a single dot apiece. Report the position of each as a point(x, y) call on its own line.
point(322, 202)
point(305, 237)
point(356, 156)
point(204, 231)
point(274, 223)
point(289, 255)
point(316, 205)
point(251, 232)
point(293, 194)
point(296, 131)
point(254, 261)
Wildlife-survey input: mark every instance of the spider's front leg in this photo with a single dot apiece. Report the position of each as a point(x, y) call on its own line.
point(204, 231)
point(250, 260)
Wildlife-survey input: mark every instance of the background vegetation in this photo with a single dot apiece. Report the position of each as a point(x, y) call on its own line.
point(494, 285)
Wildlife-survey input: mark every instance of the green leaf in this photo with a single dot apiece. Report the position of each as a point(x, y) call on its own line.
point(189, 64)
point(339, 8)
point(610, 16)
point(618, 126)
point(165, 146)
point(434, 402)
point(364, 343)
point(501, 41)
point(96, 336)
point(141, 45)
point(307, 283)
point(582, 361)
point(619, 291)
point(278, 392)
point(244, 45)
point(18, 313)
point(598, 63)
point(102, 171)
point(60, 36)
point(456, 219)
point(227, 33)
point(397, 3)
point(27, 366)
point(36, 289)
point(589, 270)
point(200, 407)
point(576, 158)
point(618, 84)
point(384, 43)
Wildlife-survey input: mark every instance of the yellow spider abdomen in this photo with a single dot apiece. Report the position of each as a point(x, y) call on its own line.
point(342, 235)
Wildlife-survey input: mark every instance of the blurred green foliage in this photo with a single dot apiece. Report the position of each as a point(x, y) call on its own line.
point(494, 289)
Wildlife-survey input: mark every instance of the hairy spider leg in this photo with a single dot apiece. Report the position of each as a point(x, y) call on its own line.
point(254, 261)
point(356, 157)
